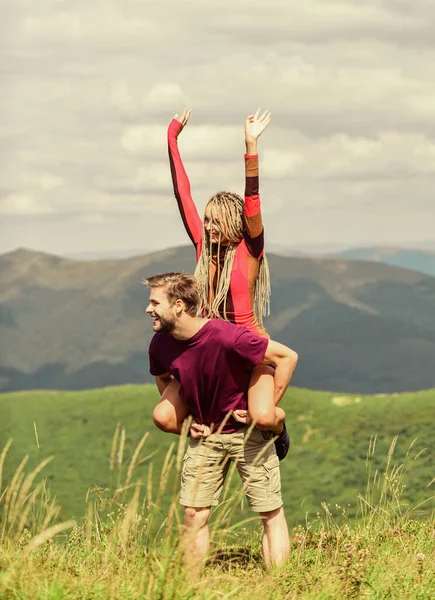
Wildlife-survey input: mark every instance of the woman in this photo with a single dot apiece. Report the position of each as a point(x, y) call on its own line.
point(232, 274)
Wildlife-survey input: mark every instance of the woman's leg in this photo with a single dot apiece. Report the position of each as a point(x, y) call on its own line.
point(261, 400)
point(262, 408)
point(171, 411)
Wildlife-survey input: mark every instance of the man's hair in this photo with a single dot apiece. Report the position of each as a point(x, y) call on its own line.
point(178, 286)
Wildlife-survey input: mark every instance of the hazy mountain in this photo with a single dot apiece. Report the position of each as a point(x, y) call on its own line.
point(357, 326)
point(419, 260)
point(105, 255)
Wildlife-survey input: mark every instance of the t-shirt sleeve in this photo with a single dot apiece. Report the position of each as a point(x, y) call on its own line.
point(156, 367)
point(250, 347)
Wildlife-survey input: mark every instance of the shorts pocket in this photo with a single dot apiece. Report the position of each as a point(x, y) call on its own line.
point(255, 436)
point(186, 470)
point(271, 466)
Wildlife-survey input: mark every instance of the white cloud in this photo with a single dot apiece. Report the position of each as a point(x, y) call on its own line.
point(49, 182)
point(90, 87)
point(389, 155)
point(195, 142)
point(281, 165)
point(165, 96)
point(59, 25)
point(23, 204)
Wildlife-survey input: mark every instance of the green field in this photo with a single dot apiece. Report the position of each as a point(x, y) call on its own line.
point(327, 463)
point(348, 539)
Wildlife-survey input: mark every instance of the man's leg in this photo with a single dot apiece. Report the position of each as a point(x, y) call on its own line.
point(205, 466)
point(276, 541)
point(258, 467)
point(195, 540)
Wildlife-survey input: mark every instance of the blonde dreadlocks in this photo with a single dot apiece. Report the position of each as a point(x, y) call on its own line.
point(227, 215)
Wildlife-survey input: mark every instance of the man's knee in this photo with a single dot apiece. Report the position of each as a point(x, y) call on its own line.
point(196, 518)
point(272, 516)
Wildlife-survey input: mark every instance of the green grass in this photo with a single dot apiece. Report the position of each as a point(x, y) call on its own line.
point(128, 546)
point(325, 566)
point(327, 463)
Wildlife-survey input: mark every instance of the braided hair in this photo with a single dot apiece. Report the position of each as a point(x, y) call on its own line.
point(227, 215)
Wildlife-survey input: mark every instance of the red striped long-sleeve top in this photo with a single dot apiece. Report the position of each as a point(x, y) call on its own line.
point(240, 300)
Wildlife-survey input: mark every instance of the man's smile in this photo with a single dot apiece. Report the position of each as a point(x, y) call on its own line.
point(155, 318)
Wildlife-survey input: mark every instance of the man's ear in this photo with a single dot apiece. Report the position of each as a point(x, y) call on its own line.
point(179, 304)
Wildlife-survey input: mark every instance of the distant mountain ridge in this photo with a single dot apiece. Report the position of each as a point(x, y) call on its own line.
point(408, 258)
point(358, 326)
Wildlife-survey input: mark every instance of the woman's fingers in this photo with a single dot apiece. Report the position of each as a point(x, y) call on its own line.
point(265, 117)
point(185, 116)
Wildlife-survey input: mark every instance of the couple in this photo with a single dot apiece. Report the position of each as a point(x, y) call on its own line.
point(209, 367)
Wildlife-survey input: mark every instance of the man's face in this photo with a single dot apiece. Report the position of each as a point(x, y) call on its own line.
point(161, 312)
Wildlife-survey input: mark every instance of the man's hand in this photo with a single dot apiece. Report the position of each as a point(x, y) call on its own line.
point(255, 125)
point(242, 416)
point(198, 431)
point(184, 118)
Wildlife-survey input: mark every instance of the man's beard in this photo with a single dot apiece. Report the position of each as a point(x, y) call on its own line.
point(166, 324)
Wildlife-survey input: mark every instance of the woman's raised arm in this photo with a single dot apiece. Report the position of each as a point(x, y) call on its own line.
point(188, 211)
point(254, 127)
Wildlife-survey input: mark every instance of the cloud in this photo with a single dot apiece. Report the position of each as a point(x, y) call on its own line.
point(389, 155)
point(203, 141)
point(314, 21)
point(23, 204)
point(89, 90)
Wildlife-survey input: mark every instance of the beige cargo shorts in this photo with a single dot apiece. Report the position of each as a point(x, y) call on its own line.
point(206, 464)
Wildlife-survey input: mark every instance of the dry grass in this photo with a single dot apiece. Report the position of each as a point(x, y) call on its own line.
point(127, 547)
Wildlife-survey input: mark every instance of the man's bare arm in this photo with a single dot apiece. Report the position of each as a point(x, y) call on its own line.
point(284, 360)
point(162, 382)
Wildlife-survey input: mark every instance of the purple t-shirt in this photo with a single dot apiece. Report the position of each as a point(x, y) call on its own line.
point(213, 367)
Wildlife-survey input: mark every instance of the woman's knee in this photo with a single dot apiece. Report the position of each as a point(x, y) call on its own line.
point(261, 370)
point(163, 416)
point(264, 416)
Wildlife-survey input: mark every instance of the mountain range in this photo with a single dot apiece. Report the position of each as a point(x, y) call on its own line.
point(357, 326)
point(420, 260)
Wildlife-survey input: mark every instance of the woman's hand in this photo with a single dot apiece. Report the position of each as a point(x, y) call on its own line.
point(255, 125)
point(184, 118)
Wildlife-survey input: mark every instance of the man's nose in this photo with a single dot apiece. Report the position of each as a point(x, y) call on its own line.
point(149, 308)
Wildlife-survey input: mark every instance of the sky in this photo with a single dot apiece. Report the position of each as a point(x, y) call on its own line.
point(89, 88)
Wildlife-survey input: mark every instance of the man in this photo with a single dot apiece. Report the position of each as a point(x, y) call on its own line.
point(213, 361)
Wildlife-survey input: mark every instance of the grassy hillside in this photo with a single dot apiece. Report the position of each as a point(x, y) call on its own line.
point(68, 324)
point(330, 435)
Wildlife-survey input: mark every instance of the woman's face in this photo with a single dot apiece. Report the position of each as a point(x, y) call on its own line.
point(215, 226)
